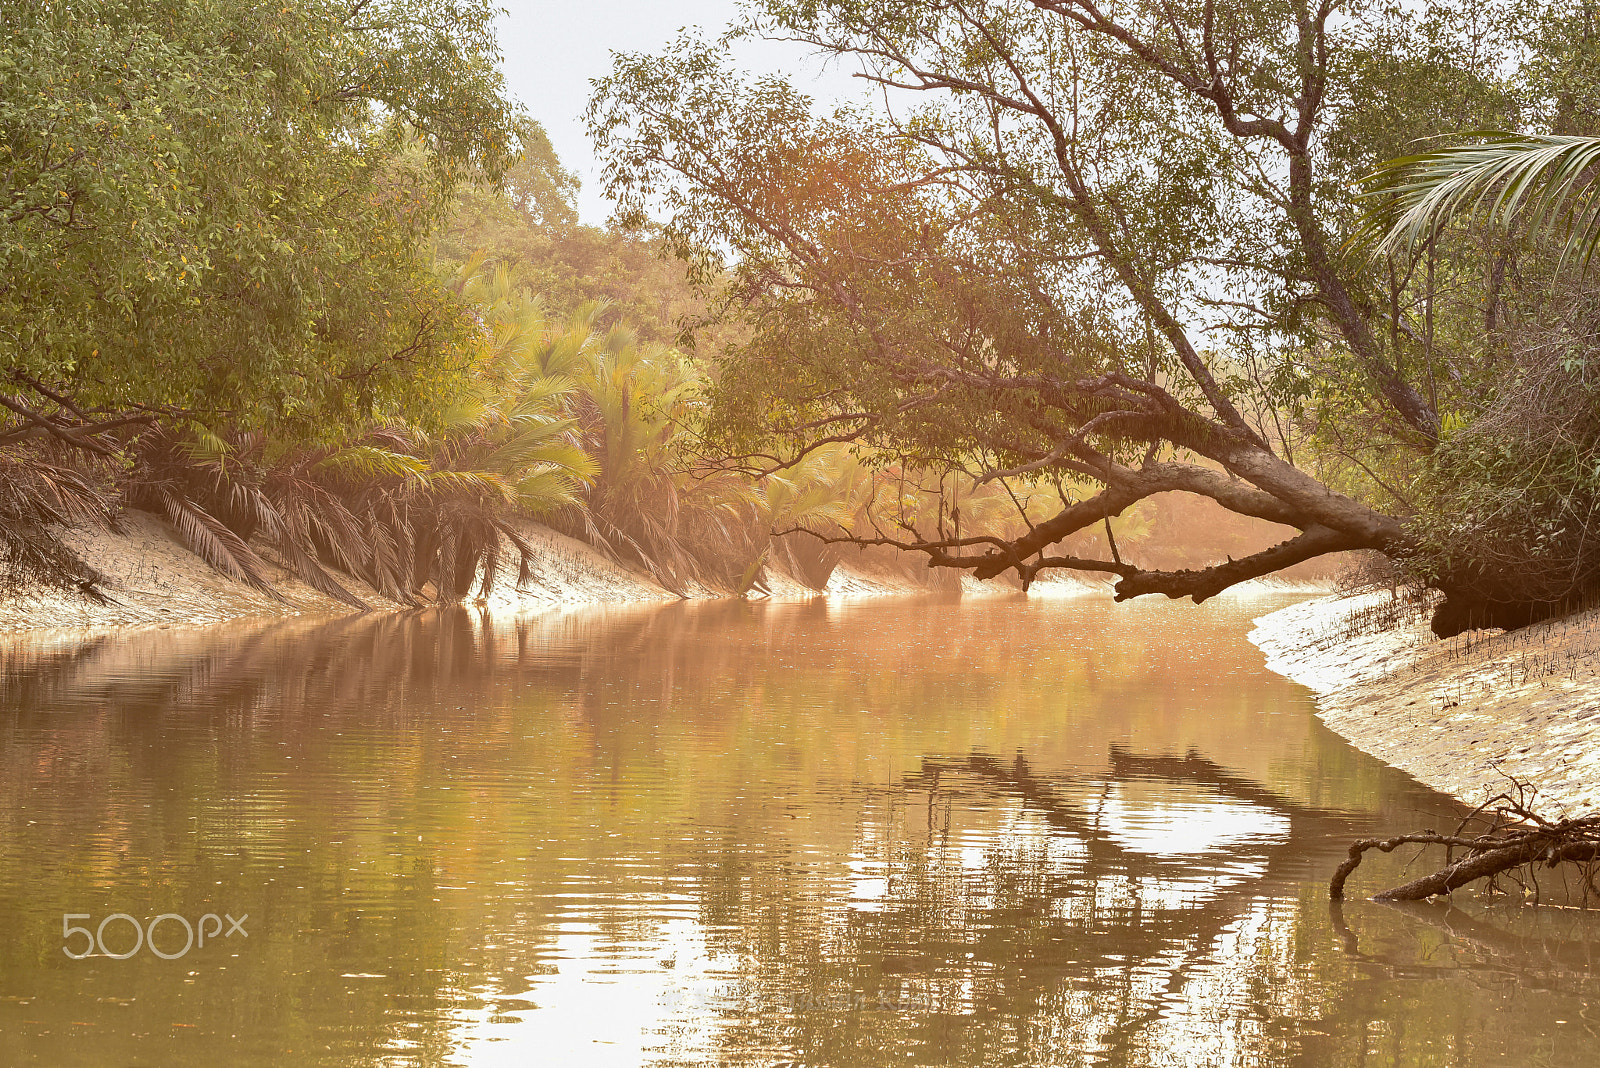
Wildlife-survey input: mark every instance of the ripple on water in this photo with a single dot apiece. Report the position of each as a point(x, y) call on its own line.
point(1009, 831)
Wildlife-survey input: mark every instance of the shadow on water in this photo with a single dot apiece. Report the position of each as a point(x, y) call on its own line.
point(1004, 831)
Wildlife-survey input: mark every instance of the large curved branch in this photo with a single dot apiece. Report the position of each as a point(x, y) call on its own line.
point(1208, 582)
point(1000, 557)
point(1129, 487)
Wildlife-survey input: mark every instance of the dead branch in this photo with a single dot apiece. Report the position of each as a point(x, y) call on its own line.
point(1516, 837)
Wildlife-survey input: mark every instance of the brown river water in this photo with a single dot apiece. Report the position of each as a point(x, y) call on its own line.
point(999, 831)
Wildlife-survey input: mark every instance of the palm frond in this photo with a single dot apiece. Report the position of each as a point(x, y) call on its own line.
point(564, 356)
point(487, 483)
point(488, 562)
point(465, 412)
point(371, 461)
point(533, 453)
point(313, 574)
point(36, 498)
point(204, 447)
point(306, 519)
point(526, 556)
point(385, 567)
point(1544, 182)
point(73, 498)
point(214, 543)
point(540, 492)
point(542, 395)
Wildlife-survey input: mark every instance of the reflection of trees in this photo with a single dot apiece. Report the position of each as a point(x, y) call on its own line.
point(1307, 823)
point(270, 769)
point(1096, 952)
point(246, 763)
point(721, 749)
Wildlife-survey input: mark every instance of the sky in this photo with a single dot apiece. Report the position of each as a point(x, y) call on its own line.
point(554, 47)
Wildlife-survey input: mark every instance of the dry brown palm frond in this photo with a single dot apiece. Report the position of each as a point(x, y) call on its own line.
point(211, 489)
point(74, 496)
point(206, 537)
point(39, 497)
point(525, 570)
point(387, 570)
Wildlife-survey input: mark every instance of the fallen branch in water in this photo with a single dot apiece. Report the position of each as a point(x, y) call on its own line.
point(1516, 837)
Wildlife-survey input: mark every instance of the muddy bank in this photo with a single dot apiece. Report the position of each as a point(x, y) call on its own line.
point(1465, 715)
point(151, 579)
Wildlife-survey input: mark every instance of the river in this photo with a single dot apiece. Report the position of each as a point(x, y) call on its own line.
point(996, 831)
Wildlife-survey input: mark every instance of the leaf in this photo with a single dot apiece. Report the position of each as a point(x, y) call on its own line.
point(214, 543)
point(371, 461)
point(1541, 182)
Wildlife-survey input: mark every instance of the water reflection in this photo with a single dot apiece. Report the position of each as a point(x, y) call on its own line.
point(1000, 832)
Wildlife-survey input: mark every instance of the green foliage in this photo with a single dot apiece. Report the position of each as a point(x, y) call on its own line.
point(572, 265)
point(1560, 40)
point(632, 408)
point(821, 216)
point(1061, 199)
point(1532, 181)
point(216, 205)
point(1514, 492)
point(220, 214)
point(1510, 497)
point(399, 507)
point(537, 186)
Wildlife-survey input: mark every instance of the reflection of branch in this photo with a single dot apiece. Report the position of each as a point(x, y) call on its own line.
point(1347, 937)
point(1304, 819)
point(1194, 928)
point(1196, 768)
point(1516, 953)
point(1578, 955)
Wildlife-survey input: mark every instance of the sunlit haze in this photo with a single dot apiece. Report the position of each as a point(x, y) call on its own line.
point(1056, 535)
point(553, 50)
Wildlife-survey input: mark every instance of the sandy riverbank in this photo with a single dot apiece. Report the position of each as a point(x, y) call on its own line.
point(152, 580)
point(1460, 715)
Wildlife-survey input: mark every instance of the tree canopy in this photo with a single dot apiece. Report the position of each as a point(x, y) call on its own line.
point(1107, 246)
point(214, 207)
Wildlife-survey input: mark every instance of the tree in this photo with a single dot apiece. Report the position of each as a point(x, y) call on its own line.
point(214, 208)
point(571, 265)
point(397, 507)
point(1076, 242)
point(1516, 486)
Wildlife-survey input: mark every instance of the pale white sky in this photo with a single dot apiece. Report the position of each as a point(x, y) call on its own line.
point(553, 48)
